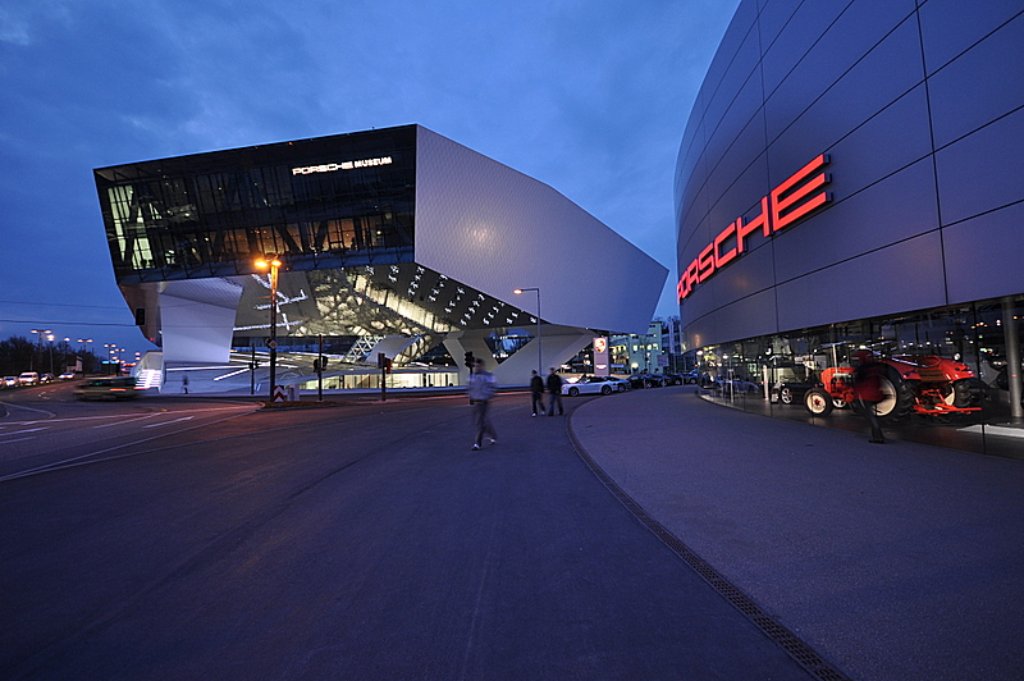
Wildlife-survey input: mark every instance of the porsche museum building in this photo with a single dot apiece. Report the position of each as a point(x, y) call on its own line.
point(396, 242)
point(850, 179)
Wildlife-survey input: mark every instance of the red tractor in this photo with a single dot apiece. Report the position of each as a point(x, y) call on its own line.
point(925, 384)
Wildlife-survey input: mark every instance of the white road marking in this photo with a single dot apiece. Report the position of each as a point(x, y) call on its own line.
point(72, 419)
point(77, 461)
point(126, 421)
point(19, 432)
point(168, 423)
point(38, 411)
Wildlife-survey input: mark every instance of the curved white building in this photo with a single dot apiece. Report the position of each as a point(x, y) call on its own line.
point(392, 240)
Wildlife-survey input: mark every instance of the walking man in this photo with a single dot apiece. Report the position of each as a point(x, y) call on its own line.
point(867, 386)
point(555, 388)
point(536, 392)
point(481, 390)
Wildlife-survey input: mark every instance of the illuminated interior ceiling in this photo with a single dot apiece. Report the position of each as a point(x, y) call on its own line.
point(405, 299)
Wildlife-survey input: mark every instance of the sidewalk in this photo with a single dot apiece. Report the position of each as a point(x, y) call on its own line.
point(893, 562)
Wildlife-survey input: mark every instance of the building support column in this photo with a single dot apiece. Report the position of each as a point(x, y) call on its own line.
point(1013, 372)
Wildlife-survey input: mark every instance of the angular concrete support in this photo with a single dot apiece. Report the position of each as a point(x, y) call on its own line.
point(197, 320)
point(560, 343)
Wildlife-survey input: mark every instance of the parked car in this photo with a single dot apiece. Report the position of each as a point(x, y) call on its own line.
point(672, 379)
point(792, 392)
point(67, 376)
point(10, 382)
point(28, 378)
point(621, 384)
point(589, 385)
point(738, 385)
point(46, 378)
point(645, 380)
point(108, 388)
point(691, 376)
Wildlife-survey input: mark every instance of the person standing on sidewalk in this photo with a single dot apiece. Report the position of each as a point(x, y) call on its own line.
point(481, 389)
point(555, 388)
point(536, 393)
point(867, 387)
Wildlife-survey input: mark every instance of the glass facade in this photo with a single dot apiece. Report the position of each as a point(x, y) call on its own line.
point(331, 202)
point(339, 212)
point(963, 407)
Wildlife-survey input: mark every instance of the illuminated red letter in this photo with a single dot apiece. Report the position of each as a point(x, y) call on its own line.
point(788, 202)
point(706, 261)
point(720, 258)
point(688, 280)
point(760, 222)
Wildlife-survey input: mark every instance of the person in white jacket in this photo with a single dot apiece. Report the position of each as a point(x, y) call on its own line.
point(481, 389)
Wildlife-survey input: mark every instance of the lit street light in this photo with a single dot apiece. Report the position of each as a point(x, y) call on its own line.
point(272, 263)
point(111, 348)
point(86, 347)
point(39, 333)
point(540, 359)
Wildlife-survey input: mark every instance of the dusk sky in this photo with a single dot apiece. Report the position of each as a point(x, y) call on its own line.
point(588, 97)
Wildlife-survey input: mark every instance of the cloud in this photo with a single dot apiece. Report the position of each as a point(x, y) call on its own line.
point(590, 98)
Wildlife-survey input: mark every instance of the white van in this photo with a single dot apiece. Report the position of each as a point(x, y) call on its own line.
point(28, 378)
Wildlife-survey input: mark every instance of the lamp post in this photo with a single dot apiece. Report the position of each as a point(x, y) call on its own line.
point(39, 335)
point(86, 347)
point(272, 263)
point(110, 348)
point(540, 360)
point(50, 338)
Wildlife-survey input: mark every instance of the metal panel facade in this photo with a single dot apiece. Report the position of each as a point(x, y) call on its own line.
point(920, 109)
point(495, 229)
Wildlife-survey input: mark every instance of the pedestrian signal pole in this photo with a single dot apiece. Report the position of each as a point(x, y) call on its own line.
point(319, 366)
point(252, 372)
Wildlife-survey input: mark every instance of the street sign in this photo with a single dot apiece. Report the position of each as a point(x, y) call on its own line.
point(279, 393)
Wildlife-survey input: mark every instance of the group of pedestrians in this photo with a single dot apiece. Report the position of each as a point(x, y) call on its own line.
point(482, 388)
point(554, 387)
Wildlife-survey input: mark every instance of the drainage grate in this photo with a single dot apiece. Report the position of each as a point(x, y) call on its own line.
point(802, 653)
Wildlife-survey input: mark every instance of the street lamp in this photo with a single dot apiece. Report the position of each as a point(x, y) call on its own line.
point(39, 333)
point(540, 361)
point(273, 263)
point(86, 347)
point(110, 348)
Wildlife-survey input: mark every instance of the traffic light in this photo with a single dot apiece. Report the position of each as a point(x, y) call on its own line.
point(387, 365)
point(469, 360)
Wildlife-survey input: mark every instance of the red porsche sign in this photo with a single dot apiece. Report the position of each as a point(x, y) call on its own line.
point(791, 201)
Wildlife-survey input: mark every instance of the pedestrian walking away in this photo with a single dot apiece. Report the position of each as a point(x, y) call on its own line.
point(536, 393)
point(867, 387)
point(184, 384)
point(481, 390)
point(555, 388)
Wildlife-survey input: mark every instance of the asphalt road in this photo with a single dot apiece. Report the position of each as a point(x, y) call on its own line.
point(358, 542)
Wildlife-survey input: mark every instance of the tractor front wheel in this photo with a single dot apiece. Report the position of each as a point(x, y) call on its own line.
point(818, 402)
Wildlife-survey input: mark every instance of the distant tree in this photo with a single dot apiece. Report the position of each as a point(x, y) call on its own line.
point(17, 354)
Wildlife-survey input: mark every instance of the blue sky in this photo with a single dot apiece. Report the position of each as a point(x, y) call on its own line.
point(589, 97)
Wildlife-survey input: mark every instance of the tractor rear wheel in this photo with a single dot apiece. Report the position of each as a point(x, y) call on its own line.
point(898, 398)
point(818, 402)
